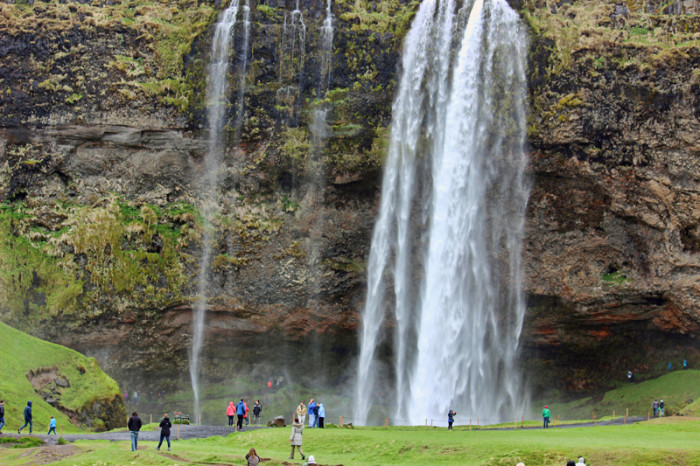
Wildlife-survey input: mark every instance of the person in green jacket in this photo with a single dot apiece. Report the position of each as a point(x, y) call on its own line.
point(545, 415)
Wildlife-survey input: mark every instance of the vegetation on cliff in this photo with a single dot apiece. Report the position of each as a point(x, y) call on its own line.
point(60, 383)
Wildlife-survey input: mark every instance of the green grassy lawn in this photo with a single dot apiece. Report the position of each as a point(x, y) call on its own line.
point(661, 441)
point(21, 353)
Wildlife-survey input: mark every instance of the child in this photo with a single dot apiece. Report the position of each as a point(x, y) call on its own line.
point(52, 426)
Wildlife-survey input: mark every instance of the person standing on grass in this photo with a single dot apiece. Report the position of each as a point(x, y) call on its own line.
point(240, 412)
point(257, 410)
point(661, 408)
point(245, 416)
point(52, 426)
point(27, 418)
point(252, 457)
point(655, 407)
point(134, 424)
point(450, 419)
point(321, 415)
point(312, 413)
point(2, 415)
point(685, 364)
point(230, 412)
point(295, 438)
point(165, 426)
point(545, 416)
point(301, 411)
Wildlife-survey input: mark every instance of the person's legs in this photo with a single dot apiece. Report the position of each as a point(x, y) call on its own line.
point(2, 422)
point(240, 422)
point(133, 439)
point(31, 426)
point(167, 437)
point(160, 442)
point(52, 429)
point(320, 422)
point(247, 420)
point(291, 455)
point(301, 452)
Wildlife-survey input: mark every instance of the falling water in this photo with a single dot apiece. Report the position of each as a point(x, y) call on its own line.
point(217, 94)
point(292, 56)
point(445, 256)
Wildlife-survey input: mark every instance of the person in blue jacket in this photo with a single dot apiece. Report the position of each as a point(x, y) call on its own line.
point(450, 419)
point(27, 418)
point(240, 412)
point(52, 426)
point(321, 415)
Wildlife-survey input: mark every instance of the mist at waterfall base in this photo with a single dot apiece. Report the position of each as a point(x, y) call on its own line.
point(444, 311)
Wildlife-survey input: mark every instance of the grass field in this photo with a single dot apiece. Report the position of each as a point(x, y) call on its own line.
point(20, 353)
point(661, 441)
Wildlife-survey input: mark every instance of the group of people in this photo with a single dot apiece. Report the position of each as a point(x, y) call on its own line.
point(658, 408)
point(134, 425)
point(240, 410)
point(316, 412)
point(28, 419)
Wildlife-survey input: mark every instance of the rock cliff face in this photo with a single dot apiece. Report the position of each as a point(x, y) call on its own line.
point(103, 140)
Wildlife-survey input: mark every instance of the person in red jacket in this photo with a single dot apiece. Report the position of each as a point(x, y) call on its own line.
point(245, 416)
point(230, 412)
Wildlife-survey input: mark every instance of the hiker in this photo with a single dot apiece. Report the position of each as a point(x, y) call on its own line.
point(295, 438)
point(257, 410)
point(301, 412)
point(312, 413)
point(545, 416)
point(655, 407)
point(252, 457)
point(670, 365)
point(165, 426)
point(661, 408)
point(2, 415)
point(685, 364)
point(52, 426)
point(230, 412)
point(321, 415)
point(27, 418)
point(450, 419)
point(134, 424)
point(240, 412)
point(630, 377)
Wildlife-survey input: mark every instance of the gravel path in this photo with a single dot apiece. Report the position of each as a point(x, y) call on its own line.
point(186, 432)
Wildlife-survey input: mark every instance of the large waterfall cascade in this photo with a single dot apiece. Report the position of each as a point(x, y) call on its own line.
point(217, 98)
point(444, 266)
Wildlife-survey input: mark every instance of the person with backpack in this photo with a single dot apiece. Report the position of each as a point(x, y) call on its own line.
point(27, 418)
point(240, 412)
point(545, 416)
point(165, 426)
point(257, 410)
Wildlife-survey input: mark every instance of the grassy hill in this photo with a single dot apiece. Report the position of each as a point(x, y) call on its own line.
point(91, 397)
point(680, 391)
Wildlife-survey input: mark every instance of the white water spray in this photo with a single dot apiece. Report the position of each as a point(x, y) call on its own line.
point(447, 241)
point(217, 95)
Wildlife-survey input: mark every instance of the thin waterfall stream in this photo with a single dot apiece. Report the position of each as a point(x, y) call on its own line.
point(444, 266)
point(217, 98)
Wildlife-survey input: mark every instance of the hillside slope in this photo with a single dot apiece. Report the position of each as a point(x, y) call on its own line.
point(60, 382)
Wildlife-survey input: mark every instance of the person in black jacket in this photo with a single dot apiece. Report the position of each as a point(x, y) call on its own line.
point(165, 426)
point(134, 425)
point(257, 409)
point(2, 414)
point(27, 418)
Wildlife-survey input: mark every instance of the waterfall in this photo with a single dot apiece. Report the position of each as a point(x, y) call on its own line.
point(292, 56)
point(217, 97)
point(444, 264)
